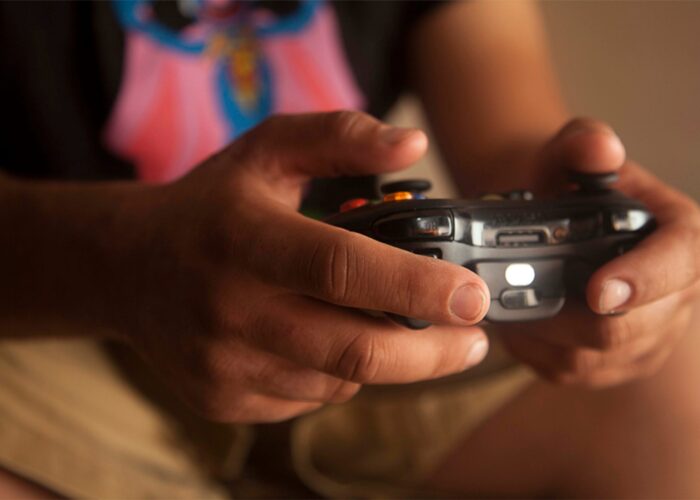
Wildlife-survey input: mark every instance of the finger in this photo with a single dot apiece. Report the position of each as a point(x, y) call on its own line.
point(275, 376)
point(666, 203)
point(576, 326)
point(646, 366)
point(665, 262)
point(255, 409)
point(353, 270)
point(585, 145)
point(329, 145)
point(258, 371)
point(359, 348)
point(576, 365)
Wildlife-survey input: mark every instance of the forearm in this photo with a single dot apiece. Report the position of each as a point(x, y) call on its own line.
point(63, 260)
point(483, 73)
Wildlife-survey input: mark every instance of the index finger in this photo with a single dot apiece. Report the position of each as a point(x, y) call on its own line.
point(360, 348)
point(352, 270)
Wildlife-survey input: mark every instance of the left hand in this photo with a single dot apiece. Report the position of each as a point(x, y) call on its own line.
point(652, 288)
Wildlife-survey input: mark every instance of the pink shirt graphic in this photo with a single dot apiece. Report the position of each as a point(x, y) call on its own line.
point(185, 94)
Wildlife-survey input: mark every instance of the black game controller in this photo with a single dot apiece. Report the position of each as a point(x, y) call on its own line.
point(531, 253)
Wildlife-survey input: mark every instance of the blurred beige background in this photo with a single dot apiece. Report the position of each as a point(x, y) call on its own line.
point(635, 64)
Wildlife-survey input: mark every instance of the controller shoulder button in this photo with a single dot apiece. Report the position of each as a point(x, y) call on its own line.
point(410, 185)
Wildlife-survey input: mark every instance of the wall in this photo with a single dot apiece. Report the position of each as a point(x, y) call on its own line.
point(635, 64)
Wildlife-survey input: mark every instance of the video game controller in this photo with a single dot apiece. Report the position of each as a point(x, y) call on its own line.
point(531, 253)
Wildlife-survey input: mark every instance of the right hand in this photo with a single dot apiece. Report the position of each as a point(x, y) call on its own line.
point(248, 309)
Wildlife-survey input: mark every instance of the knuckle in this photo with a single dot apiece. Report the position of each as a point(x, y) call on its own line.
point(342, 124)
point(653, 364)
point(247, 143)
point(343, 392)
point(612, 333)
point(579, 362)
point(332, 269)
point(214, 366)
point(213, 405)
point(256, 143)
point(359, 361)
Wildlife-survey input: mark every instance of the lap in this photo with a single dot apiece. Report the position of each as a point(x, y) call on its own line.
point(639, 439)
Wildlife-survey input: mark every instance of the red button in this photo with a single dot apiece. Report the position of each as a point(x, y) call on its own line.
point(354, 203)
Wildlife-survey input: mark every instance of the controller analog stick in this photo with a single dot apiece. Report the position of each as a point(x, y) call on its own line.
point(593, 182)
point(410, 186)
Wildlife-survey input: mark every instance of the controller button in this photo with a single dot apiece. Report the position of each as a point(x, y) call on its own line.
point(519, 299)
point(520, 274)
point(352, 204)
point(629, 220)
point(430, 225)
point(412, 186)
point(398, 196)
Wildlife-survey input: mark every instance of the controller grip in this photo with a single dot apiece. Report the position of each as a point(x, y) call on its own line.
point(412, 323)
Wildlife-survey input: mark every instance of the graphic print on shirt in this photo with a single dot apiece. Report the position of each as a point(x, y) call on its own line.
point(187, 90)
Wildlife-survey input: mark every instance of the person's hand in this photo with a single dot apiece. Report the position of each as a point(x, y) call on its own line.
point(249, 310)
point(640, 303)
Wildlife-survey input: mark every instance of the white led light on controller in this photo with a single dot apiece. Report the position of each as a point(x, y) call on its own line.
point(520, 274)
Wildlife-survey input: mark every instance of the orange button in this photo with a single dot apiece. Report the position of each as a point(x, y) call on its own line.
point(398, 196)
point(354, 203)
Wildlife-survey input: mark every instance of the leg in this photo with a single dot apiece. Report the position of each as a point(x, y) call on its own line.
point(16, 487)
point(640, 439)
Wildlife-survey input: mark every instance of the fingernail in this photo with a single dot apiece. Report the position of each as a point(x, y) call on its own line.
point(394, 135)
point(477, 352)
point(615, 293)
point(468, 302)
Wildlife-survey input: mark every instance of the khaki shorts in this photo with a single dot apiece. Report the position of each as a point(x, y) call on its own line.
point(88, 420)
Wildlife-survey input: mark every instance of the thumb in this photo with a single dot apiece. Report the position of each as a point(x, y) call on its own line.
point(585, 145)
point(344, 143)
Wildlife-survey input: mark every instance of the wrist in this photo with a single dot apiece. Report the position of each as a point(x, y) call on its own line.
point(513, 166)
point(63, 267)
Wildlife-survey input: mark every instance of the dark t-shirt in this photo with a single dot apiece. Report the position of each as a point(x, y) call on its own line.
point(75, 74)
